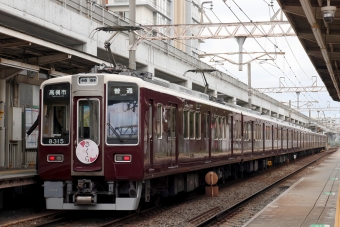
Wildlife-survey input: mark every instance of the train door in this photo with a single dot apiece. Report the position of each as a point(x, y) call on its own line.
point(150, 154)
point(86, 127)
point(172, 134)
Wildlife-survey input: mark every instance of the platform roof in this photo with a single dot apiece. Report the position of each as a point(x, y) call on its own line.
point(314, 34)
point(20, 50)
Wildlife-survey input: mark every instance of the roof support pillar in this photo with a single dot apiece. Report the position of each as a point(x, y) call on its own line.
point(2, 119)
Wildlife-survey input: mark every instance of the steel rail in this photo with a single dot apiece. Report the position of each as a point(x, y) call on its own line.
point(222, 213)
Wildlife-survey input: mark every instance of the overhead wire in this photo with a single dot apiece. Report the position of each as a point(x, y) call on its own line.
point(279, 49)
point(262, 47)
point(271, 7)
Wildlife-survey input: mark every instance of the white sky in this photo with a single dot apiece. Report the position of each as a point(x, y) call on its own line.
point(267, 75)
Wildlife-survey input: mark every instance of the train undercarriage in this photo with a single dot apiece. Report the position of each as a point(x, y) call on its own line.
point(94, 193)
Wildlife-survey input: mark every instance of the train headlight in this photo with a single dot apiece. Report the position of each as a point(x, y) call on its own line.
point(55, 158)
point(123, 158)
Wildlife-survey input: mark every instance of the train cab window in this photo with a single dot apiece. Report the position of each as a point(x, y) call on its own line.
point(56, 114)
point(198, 125)
point(122, 125)
point(186, 124)
point(56, 125)
point(88, 120)
point(159, 124)
point(192, 124)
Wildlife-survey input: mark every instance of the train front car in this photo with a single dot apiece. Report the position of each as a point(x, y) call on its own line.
point(89, 152)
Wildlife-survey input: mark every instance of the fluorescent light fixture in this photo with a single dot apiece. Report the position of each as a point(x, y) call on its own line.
point(19, 65)
point(52, 72)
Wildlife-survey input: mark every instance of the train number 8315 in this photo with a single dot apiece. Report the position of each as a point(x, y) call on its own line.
point(55, 140)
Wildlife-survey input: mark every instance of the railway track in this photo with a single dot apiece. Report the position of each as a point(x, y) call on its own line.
point(211, 216)
point(75, 218)
point(33, 220)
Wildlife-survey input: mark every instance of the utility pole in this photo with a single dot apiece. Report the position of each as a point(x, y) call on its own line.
point(132, 37)
point(249, 86)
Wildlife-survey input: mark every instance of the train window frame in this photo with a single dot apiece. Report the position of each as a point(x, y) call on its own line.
point(186, 124)
point(198, 127)
point(159, 121)
point(99, 119)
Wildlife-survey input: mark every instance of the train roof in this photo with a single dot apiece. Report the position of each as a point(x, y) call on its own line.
point(182, 92)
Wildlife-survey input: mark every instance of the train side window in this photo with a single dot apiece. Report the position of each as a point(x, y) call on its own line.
point(229, 126)
point(192, 124)
point(249, 129)
point(256, 132)
point(206, 126)
point(245, 130)
point(217, 128)
point(224, 128)
point(239, 129)
point(172, 123)
point(186, 124)
point(198, 125)
point(159, 122)
point(220, 125)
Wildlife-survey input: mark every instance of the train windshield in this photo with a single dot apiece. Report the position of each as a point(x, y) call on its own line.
point(122, 113)
point(55, 119)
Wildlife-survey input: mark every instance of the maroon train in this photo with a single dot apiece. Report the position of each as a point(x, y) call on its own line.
point(127, 138)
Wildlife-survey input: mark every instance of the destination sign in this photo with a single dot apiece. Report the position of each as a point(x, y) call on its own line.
point(56, 92)
point(123, 90)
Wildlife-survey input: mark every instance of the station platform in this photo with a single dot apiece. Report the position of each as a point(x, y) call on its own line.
point(17, 177)
point(313, 201)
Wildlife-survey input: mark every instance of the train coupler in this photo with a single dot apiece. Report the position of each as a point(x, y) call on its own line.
point(85, 194)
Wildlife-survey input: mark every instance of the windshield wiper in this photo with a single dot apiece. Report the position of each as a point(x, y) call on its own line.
point(115, 132)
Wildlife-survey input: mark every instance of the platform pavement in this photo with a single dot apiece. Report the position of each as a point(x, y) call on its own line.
point(313, 201)
point(12, 173)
